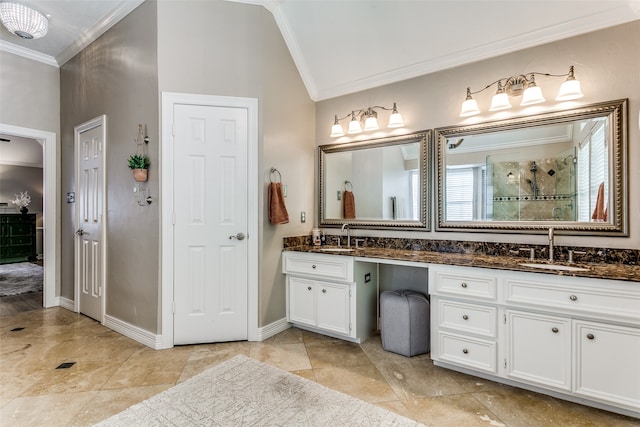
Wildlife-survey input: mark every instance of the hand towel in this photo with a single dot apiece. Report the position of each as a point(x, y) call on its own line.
point(277, 210)
point(349, 205)
point(599, 212)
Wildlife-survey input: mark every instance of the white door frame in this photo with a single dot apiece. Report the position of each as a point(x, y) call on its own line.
point(93, 123)
point(51, 207)
point(169, 100)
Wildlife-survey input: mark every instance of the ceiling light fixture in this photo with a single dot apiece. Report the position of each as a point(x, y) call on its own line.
point(370, 118)
point(23, 21)
point(525, 85)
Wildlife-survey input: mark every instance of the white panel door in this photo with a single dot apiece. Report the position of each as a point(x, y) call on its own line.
point(210, 211)
point(89, 221)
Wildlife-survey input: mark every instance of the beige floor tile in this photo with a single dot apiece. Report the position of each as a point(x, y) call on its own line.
point(150, 367)
point(290, 336)
point(336, 355)
point(106, 403)
point(373, 348)
point(415, 379)
point(364, 382)
point(202, 359)
point(289, 357)
point(451, 411)
point(48, 410)
point(83, 376)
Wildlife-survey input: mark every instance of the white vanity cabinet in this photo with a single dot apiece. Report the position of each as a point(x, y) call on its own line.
point(331, 294)
point(571, 337)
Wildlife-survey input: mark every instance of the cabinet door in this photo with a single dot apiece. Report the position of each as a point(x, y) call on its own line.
point(301, 301)
point(539, 349)
point(333, 307)
point(607, 363)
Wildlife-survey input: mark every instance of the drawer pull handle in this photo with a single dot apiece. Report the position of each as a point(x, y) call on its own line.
point(590, 336)
point(465, 351)
point(555, 330)
point(324, 291)
point(573, 298)
point(465, 317)
point(313, 266)
point(464, 285)
point(308, 288)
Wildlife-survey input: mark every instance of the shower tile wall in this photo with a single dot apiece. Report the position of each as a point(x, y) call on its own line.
point(514, 197)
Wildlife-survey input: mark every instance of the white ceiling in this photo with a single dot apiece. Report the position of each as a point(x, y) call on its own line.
point(345, 46)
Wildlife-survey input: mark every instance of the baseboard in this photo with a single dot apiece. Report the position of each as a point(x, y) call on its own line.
point(273, 329)
point(135, 333)
point(67, 303)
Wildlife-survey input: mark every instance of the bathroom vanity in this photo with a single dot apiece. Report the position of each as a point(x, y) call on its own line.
point(568, 334)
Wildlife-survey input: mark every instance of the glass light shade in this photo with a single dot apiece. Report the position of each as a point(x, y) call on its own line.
point(23, 21)
point(354, 126)
point(532, 95)
point(500, 101)
point(569, 90)
point(336, 130)
point(469, 108)
point(395, 121)
point(371, 123)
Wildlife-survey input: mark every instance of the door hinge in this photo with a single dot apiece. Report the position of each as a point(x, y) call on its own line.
point(349, 292)
point(349, 327)
point(505, 318)
point(505, 363)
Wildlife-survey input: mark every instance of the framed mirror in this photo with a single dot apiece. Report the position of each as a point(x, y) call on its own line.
point(379, 183)
point(566, 170)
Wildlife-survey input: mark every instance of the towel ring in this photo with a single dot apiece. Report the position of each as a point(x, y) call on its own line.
point(348, 186)
point(272, 171)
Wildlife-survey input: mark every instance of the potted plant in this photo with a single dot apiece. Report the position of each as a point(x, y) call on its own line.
point(139, 163)
point(21, 201)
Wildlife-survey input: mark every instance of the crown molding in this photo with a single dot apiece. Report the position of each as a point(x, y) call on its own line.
point(27, 53)
point(112, 18)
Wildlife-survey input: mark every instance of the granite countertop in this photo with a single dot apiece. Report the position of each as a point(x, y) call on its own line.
point(594, 270)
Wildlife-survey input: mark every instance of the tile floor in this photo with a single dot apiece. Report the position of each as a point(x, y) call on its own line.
point(112, 372)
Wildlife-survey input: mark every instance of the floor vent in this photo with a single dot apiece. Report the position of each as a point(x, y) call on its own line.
point(17, 329)
point(65, 365)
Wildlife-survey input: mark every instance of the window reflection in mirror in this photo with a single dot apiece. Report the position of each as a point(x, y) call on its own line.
point(565, 168)
point(387, 180)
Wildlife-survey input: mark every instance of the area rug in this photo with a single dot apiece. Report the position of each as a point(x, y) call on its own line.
point(245, 392)
point(20, 278)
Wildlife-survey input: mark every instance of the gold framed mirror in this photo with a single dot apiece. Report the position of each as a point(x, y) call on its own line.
point(566, 170)
point(382, 183)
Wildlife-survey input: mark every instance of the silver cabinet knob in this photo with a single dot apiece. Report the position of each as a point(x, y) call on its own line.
point(573, 298)
point(239, 236)
point(465, 317)
point(308, 288)
point(464, 285)
point(313, 266)
point(465, 351)
point(324, 291)
point(555, 330)
point(590, 336)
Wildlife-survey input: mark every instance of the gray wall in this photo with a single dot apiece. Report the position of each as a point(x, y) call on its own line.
point(607, 65)
point(233, 49)
point(117, 75)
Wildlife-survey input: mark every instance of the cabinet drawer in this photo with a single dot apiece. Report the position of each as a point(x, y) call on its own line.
point(474, 353)
point(318, 265)
point(466, 285)
point(604, 300)
point(471, 318)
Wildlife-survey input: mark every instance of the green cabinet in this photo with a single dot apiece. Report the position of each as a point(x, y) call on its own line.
point(17, 238)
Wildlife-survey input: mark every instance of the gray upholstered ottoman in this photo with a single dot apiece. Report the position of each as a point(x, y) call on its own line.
point(405, 322)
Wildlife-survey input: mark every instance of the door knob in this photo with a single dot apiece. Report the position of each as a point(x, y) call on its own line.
point(239, 236)
point(80, 232)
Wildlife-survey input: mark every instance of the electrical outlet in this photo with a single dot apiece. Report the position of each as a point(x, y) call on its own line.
point(303, 216)
point(284, 190)
point(339, 195)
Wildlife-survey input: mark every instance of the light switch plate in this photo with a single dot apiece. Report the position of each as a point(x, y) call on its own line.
point(284, 190)
point(303, 216)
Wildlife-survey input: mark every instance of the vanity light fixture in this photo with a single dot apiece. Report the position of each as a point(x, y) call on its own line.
point(525, 85)
point(23, 21)
point(370, 118)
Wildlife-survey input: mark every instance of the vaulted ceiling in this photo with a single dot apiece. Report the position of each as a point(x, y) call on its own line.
point(345, 46)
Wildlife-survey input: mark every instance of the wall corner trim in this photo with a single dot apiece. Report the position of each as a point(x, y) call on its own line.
point(134, 332)
point(272, 329)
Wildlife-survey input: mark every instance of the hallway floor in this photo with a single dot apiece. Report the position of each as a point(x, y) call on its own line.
point(112, 372)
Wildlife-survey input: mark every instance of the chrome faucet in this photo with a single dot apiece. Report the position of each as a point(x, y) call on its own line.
point(345, 225)
point(550, 244)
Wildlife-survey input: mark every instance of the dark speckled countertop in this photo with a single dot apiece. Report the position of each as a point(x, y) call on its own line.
point(594, 270)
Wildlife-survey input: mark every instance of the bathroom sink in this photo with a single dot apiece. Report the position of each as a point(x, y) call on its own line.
point(554, 267)
point(337, 250)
